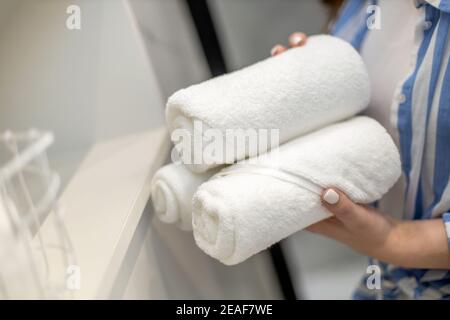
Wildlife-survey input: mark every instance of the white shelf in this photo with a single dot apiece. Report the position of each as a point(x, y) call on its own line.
point(104, 201)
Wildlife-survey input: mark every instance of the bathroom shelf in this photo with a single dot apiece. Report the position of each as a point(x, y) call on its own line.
point(101, 91)
point(104, 201)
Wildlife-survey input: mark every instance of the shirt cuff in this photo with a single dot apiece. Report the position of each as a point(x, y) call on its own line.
point(446, 218)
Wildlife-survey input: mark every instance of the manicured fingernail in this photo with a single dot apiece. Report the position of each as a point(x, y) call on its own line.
point(274, 51)
point(296, 40)
point(331, 197)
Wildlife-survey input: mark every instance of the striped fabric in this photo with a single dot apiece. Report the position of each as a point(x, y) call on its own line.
point(423, 124)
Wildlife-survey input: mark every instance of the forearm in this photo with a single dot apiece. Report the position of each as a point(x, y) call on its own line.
point(417, 244)
point(412, 244)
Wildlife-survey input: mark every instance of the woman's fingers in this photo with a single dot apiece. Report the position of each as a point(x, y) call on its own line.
point(350, 214)
point(277, 50)
point(297, 39)
point(331, 227)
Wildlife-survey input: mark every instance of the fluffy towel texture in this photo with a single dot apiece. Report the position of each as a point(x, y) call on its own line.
point(240, 214)
point(172, 189)
point(296, 92)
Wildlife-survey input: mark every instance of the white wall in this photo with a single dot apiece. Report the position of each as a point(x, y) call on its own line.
point(6, 7)
point(106, 81)
point(85, 85)
point(249, 28)
point(171, 43)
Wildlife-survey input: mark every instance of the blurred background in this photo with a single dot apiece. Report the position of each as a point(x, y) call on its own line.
point(101, 88)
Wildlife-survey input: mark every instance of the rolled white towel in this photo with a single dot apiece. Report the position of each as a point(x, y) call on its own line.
point(172, 188)
point(248, 207)
point(301, 90)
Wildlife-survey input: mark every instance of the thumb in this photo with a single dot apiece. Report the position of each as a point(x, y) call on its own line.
point(345, 210)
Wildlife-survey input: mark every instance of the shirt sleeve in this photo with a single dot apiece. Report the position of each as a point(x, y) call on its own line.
point(446, 218)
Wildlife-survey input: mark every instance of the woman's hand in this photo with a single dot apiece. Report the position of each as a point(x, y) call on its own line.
point(413, 244)
point(296, 39)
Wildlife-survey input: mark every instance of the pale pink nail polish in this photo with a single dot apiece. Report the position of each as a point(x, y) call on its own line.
point(273, 51)
point(331, 196)
point(297, 40)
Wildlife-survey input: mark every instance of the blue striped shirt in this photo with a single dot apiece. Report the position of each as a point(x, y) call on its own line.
point(423, 125)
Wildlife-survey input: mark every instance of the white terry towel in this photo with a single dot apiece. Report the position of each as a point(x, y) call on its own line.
point(301, 90)
point(248, 207)
point(172, 188)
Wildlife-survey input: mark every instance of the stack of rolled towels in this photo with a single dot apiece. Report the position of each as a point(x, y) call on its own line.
point(240, 201)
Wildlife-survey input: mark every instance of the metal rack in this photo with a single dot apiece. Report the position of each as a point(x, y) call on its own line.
point(34, 265)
